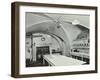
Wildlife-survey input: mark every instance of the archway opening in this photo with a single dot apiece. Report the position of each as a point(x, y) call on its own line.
point(41, 44)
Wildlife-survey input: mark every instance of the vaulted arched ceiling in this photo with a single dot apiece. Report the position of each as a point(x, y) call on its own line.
point(53, 24)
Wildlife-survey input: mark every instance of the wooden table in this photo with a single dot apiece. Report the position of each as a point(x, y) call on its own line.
point(61, 60)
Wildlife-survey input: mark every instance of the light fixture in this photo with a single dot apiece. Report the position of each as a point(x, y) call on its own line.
point(75, 22)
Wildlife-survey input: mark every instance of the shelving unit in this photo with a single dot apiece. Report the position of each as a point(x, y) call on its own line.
point(80, 47)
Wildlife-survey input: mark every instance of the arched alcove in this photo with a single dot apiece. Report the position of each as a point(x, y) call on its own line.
point(51, 40)
point(51, 28)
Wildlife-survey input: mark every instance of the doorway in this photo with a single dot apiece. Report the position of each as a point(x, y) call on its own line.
point(40, 51)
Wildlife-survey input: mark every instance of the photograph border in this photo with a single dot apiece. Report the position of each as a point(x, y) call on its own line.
point(15, 40)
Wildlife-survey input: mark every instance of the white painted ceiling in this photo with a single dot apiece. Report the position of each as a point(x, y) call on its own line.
point(45, 21)
point(34, 18)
